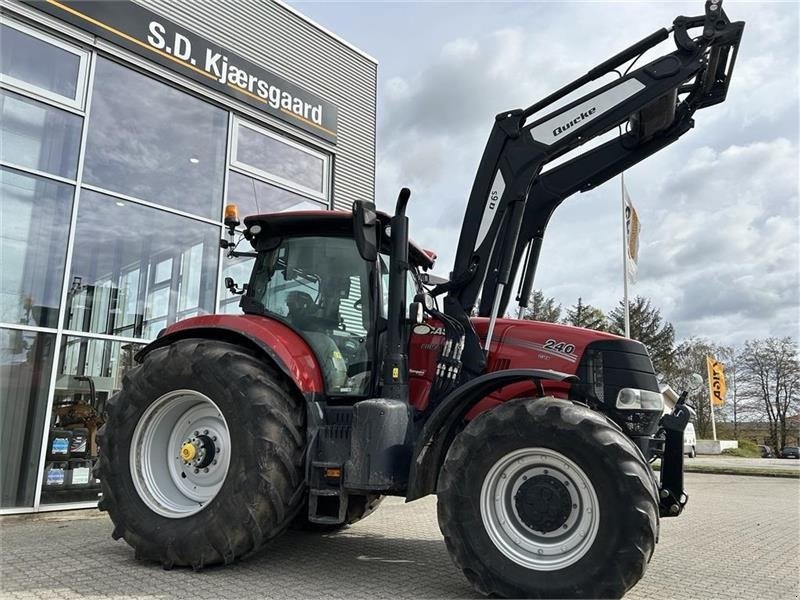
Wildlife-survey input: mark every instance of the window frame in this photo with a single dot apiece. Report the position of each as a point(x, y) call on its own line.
point(14, 84)
point(248, 169)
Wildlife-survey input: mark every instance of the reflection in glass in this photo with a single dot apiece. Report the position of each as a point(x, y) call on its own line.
point(38, 136)
point(150, 141)
point(26, 360)
point(34, 61)
point(137, 269)
point(254, 197)
point(89, 373)
point(274, 157)
point(34, 223)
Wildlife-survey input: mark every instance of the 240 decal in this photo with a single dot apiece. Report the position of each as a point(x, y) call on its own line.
point(560, 347)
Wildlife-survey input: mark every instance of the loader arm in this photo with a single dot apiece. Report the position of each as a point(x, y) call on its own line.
point(511, 199)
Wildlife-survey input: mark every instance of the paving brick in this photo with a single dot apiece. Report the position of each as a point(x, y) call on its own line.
point(738, 538)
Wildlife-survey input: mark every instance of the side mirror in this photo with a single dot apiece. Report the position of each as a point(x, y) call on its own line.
point(365, 229)
point(230, 285)
point(416, 313)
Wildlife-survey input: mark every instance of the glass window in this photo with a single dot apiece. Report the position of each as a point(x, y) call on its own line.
point(51, 67)
point(239, 269)
point(34, 223)
point(38, 136)
point(151, 141)
point(254, 197)
point(26, 360)
point(136, 269)
point(320, 286)
point(89, 373)
point(286, 161)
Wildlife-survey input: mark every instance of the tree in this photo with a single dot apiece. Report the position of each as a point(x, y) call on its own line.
point(586, 315)
point(770, 378)
point(648, 327)
point(541, 308)
point(690, 358)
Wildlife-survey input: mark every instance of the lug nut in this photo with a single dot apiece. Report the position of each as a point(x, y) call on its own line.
point(196, 433)
point(205, 431)
point(217, 449)
point(196, 471)
point(214, 462)
point(205, 470)
point(213, 438)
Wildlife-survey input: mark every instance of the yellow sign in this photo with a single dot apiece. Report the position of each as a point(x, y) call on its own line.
point(716, 381)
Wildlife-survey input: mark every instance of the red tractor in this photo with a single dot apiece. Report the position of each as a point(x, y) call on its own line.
point(334, 389)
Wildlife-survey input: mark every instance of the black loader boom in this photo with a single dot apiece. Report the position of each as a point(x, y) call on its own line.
point(512, 199)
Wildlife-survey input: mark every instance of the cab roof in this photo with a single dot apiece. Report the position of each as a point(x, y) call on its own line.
point(331, 222)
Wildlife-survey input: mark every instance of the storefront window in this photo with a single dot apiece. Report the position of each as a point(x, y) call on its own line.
point(26, 359)
point(151, 141)
point(254, 197)
point(38, 136)
point(90, 371)
point(259, 150)
point(239, 269)
point(34, 223)
point(42, 64)
point(136, 269)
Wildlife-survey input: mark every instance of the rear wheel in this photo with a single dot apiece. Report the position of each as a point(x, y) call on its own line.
point(201, 456)
point(545, 498)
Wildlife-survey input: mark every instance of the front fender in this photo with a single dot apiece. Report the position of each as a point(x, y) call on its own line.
point(442, 425)
point(269, 337)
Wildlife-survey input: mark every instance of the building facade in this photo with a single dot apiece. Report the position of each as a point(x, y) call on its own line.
point(126, 127)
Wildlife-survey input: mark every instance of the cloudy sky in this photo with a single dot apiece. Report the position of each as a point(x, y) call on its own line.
point(719, 252)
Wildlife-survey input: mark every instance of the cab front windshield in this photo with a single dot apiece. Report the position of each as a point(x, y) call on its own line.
point(320, 287)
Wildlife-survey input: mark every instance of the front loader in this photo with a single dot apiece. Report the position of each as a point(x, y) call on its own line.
point(354, 374)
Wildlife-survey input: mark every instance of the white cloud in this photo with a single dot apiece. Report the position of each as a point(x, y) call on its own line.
point(720, 247)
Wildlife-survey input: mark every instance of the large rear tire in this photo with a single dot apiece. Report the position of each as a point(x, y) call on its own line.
point(544, 498)
point(176, 495)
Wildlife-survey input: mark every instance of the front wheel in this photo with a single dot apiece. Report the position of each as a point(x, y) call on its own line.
point(544, 498)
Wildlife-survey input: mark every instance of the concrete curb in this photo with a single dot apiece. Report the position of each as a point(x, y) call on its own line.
point(708, 469)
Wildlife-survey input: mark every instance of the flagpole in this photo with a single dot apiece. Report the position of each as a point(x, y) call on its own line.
point(624, 257)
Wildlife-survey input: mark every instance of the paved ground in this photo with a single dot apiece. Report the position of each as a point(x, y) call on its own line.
point(739, 538)
point(735, 461)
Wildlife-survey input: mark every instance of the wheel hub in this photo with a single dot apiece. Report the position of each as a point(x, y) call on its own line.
point(180, 453)
point(543, 503)
point(539, 508)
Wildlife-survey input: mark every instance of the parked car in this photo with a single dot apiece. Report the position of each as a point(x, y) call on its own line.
point(790, 452)
point(689, 441)
point(766, 451)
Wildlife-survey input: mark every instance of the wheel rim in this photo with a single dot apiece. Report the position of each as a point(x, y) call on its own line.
point(539, 509)
point(180, 453)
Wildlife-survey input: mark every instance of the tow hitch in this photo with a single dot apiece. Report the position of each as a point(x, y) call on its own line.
point(672, 497)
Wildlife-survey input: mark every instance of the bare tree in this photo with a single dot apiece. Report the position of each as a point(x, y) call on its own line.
point(690, 358)
point(770, 378)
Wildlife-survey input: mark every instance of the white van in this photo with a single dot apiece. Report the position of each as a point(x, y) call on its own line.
point(689, 441)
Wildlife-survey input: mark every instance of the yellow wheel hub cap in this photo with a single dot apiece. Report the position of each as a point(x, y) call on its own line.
point(188, 452)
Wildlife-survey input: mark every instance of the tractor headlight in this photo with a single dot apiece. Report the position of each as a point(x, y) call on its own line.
point(640, 400)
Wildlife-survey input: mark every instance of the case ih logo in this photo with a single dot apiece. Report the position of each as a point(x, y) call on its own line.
point(584, 115)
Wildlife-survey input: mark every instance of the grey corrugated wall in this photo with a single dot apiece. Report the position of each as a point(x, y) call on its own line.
point(274, 37)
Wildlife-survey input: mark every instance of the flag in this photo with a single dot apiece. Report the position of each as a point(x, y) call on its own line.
point(632, 228)
point(716, 381)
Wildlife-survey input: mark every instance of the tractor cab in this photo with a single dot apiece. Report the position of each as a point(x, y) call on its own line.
point(309, 274)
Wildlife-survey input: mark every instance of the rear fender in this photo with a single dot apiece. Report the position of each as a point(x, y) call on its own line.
point(443, 423)
point(268, 337)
